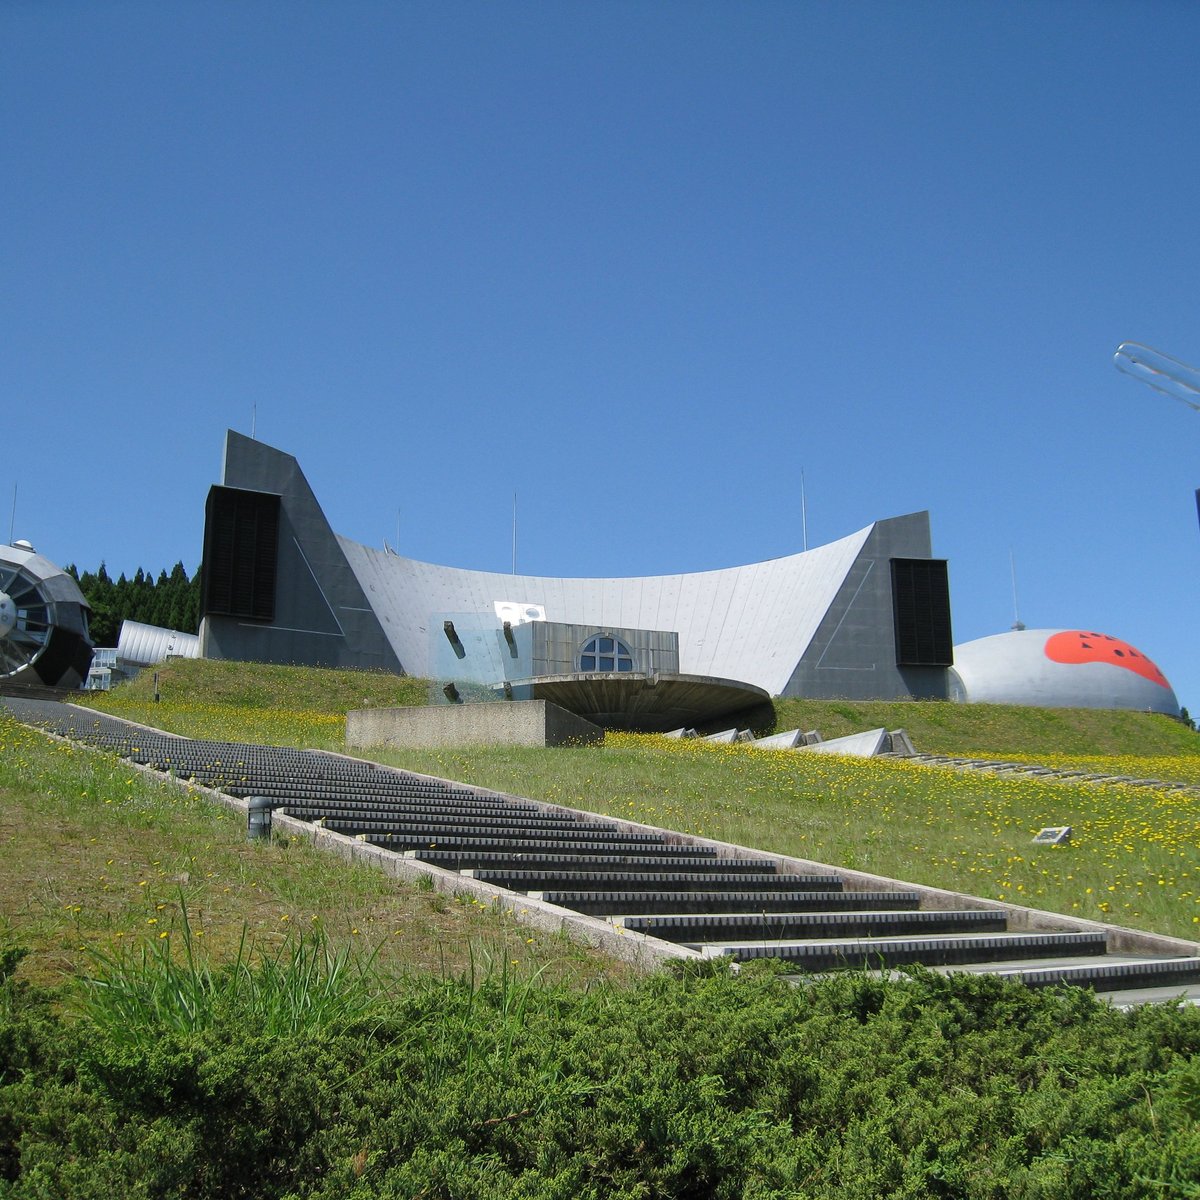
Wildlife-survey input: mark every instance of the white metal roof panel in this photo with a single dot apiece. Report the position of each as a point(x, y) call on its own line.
point(751, 622)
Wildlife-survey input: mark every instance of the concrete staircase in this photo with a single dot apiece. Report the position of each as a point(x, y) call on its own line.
point(688, 896)
point(990, 766)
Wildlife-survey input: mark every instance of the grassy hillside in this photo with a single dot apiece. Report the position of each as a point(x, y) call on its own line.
point(97, 857)
point(939, 727)
point(265, 685)
point(215, 694)
point(466, 1059)
point(1132, 859)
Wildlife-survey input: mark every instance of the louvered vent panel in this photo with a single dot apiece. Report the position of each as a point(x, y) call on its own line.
point(241, 543)
point(921, 607)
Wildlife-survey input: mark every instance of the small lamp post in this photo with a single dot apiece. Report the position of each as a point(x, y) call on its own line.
point(258, 818)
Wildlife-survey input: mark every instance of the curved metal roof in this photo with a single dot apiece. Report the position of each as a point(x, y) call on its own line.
point(750, 623)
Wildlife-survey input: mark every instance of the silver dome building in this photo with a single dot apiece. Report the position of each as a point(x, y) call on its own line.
point(1059, 668)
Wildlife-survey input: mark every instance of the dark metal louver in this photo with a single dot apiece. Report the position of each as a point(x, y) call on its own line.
point(921, 608)
point(241, 543)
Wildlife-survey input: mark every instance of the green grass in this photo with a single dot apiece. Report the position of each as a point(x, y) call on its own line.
point(306, 706)
point(1132, 859)
point(256, 702)
point(96, 856)
point(138, 992)
point(221, 683)
point(939, 727)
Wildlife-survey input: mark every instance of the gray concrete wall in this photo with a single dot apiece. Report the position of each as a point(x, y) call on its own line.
point(853, 653)
point(519, 723)
point(323, 618)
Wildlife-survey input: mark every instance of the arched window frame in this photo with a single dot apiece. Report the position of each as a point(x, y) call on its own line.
point(603, 653)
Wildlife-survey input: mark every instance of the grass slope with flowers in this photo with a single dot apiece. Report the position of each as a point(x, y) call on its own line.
point(186, 1014)
point(1132, 859)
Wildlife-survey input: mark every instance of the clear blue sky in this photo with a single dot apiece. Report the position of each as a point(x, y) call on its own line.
point(642, 263)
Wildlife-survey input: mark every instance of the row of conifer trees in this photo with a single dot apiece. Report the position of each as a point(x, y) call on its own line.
point(171, 600)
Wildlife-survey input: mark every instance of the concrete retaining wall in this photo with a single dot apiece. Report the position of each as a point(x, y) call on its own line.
point(507, 723)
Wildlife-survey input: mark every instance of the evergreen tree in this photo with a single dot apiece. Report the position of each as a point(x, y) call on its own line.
point(171, 601)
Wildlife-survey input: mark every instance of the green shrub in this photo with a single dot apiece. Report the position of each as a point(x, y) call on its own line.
point(696, 1085)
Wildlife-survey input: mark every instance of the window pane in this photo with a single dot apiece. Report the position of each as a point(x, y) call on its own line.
point(606, 645)
point(587, 662)
point(624, 664)
point(606, 664)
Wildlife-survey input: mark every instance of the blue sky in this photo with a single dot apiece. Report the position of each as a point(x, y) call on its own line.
point(644, 264)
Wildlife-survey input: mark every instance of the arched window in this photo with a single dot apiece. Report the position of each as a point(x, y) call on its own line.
point(604, 653)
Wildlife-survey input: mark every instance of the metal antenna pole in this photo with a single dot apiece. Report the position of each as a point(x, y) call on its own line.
point(803, 510)
point(1012, 564)
point(514, 533)
point(12, 524)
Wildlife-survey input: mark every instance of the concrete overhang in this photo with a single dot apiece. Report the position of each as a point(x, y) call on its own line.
point(645, 703)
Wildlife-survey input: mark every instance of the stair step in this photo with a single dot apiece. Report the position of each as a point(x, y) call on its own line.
point(678, 881)
point(1111, 973)
point(513, 841)
point(639, 903)
point(697, 929)
point(368, 794)
point(315, 810)
point(387, 802)
point(457, 825)
point(460, 860)
point(887, 952)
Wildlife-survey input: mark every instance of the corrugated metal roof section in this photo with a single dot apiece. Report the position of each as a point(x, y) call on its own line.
point(751, 623)
point(145, 645)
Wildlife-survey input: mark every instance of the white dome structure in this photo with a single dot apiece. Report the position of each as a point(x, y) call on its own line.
point(1059, 668)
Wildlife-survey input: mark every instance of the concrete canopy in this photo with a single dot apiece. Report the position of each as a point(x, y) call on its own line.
point(649, 703)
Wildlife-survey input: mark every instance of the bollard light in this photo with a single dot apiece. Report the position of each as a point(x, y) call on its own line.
point(258, 818)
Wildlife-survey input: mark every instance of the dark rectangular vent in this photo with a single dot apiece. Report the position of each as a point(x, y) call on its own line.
point(921, 607)
point(241, 542)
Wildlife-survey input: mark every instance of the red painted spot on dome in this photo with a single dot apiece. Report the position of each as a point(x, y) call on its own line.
point(1076, 646)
